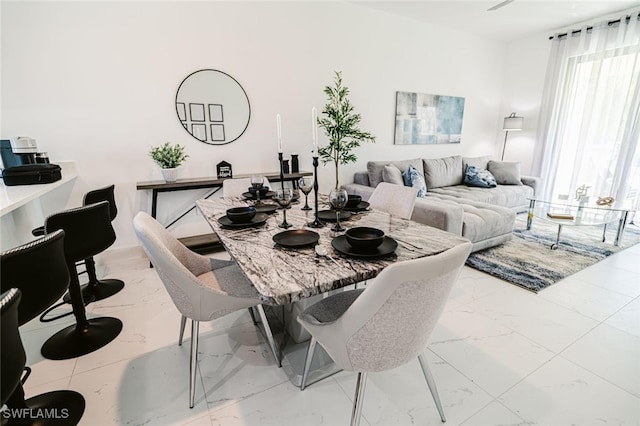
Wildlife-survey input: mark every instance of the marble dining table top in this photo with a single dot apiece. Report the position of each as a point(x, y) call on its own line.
point(285, 275)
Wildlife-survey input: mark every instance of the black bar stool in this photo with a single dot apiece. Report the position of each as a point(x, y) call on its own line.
point(64, 407)
point(88, 231)
point(95, 289)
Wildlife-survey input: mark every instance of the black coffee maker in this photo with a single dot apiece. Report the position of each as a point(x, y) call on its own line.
point(18, 151)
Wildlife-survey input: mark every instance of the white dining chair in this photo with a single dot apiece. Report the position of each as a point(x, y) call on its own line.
point(387, 324)
point(397, 200)
point(238, 186)
point(201, 288)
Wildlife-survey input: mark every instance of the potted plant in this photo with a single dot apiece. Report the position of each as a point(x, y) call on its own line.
point(169, 157)
point(340, 124)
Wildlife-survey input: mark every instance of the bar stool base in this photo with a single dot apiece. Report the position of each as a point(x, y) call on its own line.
point(102, 290)
point(75, 341)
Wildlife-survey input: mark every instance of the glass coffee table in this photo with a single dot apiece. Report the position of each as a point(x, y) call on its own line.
point(563, 213)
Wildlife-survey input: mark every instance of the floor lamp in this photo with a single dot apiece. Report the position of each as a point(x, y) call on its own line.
point(511, 123)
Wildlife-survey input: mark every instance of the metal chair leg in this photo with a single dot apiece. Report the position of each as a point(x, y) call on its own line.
point(307, 362)
point(183, 323)
point(253, 316)
point(357, 399)
point(193, 364)
point(267, 330)
point(432, 385)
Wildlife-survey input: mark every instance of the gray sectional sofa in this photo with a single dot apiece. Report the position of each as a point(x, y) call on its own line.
point(483, 215)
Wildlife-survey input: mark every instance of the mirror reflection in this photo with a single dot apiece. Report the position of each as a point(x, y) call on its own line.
point(213, 107)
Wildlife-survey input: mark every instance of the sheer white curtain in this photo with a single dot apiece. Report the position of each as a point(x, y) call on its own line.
point(590, 117)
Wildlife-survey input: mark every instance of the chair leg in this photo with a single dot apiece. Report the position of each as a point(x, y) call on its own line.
point(183, 323)
point(253, 316)
point(432, 385)
point(357, 399)
point(267, 330)
point(307, 362)
point(193, 364)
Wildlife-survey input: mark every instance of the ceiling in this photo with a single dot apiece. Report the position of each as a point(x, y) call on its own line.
point(516, 20)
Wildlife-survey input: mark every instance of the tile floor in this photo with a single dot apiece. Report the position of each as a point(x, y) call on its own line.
point(500, 356)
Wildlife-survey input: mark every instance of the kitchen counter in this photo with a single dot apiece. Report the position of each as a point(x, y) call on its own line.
point(13, 197)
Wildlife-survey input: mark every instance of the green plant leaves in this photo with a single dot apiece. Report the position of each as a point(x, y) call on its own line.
point(340, 124)
point(168, 156)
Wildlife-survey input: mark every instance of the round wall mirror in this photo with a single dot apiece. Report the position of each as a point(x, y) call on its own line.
point(212, 107)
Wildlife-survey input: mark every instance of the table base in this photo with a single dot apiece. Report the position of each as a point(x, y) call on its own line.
point(293, 354)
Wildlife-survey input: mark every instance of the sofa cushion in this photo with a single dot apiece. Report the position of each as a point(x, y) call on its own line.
point(505, 173)
point(511, 196)
point(392, 174)
point(481, 221)
point(413, 178)
point(479, 162)
point(481, 178)
point(439, 172)
point(375, 168)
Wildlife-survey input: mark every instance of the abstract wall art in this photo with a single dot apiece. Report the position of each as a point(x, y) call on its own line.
point(428, 119)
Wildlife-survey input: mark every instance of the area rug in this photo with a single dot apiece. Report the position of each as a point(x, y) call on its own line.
point(527, 260)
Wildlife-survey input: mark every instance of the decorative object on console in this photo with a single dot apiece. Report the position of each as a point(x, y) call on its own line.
point(428, 119)
point(295, 164)
point(511, 124)
point(212, 107)
point(224, 170)
point(169, 157)
point(480, 178)
point(341, 126)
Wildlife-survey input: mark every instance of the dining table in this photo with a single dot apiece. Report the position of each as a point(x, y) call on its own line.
point(287, 278)
point(283, 275)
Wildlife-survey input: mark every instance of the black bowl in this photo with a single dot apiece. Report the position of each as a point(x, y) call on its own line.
point(263, 190)
point(353, 201)
point(241, 214)
point(364, 238)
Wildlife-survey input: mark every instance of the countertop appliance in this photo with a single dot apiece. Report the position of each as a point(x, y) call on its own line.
point(18, 151)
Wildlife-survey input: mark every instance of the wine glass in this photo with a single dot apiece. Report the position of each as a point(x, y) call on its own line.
point(338, 199)
point(284, 197)
point(305, 185)
point(256, 182)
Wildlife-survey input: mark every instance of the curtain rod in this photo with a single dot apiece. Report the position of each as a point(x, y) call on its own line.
point(617, 21)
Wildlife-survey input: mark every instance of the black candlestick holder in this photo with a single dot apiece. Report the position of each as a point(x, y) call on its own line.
point(280, 160)
point(317, 223)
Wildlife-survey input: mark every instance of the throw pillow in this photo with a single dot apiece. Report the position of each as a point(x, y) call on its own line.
point(374, 169)
point(480, 178)
point(392, 174)
point(505, 173)
point(478, 162)
point(413, 178)
point(440, 172)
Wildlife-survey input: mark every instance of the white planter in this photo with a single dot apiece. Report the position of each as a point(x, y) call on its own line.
point(170, 175)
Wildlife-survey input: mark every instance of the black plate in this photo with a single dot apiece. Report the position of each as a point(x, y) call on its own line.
point(258, 219)
point(266, 208)
point(362, 206)
point(330, 215)
point(268, 195)
point(387, 247)
point(296, 238)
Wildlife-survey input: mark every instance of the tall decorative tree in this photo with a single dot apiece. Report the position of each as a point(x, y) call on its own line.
point(341, 125)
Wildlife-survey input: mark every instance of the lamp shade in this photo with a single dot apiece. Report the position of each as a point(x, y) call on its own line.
point(512, 122)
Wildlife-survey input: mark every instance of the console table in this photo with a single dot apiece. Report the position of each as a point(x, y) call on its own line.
point(201, 243)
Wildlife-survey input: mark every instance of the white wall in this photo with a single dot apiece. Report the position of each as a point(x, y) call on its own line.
point(95, 83)
point(524, 76)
